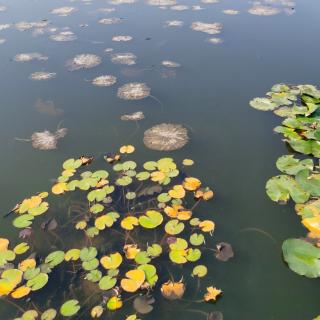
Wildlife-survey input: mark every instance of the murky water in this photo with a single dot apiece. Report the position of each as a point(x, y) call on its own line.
point(233, 145)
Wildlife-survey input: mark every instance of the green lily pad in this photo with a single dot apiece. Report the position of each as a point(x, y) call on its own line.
point(23, 221)
point(200, 271)
point(96, 208)
point(193, 255)
point(197, 239)
point(107, 283)
point(49, 314)
point(142, 258)
point(288, 164)
point(90, 265)
point(163, 197)
point(142, 176)
point(55, 258)
point(87, 254)
point(38, 282)
point(263, 104)
point(174, 227)
point(70, 308)
point(94, 275)
point(150, 272)
point(151, 219)
point(154, 250)
point(280, 188)
point(302, 257)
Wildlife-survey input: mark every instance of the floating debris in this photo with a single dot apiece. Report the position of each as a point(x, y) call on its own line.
point(3, 8)
point(230, 11)
point(170, 64)
point(134, 91)
point(209, 1)
point(135, 116)
point(63, 11)
point(210, 28)
point(196, 8)
point(106, 10)
point(179, 7)
point(46, 140)
point(122, 38)
point(215, 40)
point(166, 137)
point(108, 50)
point(41, 75)
point(48, 108)
point(117, 2)
point(4, 26)
point(24, 25)
point(174, 23)
point(63, 36)
point(162, 2)
point(104, 81)
point(2, 40)
point(109, 20)
point(25, 57)
point(261, 10)
point(84, 61)
point(127, 58)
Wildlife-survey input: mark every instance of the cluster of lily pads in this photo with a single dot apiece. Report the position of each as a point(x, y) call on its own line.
point(300, 175)
point(134, 223)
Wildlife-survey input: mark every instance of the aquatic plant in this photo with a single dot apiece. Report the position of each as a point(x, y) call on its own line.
point(209, 28)
point(47, 107)
point(174, 23)
point(41, 75)
point(63, 36)
point(126, 58)
point(166, 137)
point(108, 21)
point(122, 38)
point(83, 61)
point(104, 81)
point(135, 116)
point(126, 241)
point(25, 57)
point(230, 12)
point(300, 177)
point(170, 64)
point(134, 91)
point(63, 11)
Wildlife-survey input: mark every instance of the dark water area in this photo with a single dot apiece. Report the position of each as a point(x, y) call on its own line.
point(233, 145)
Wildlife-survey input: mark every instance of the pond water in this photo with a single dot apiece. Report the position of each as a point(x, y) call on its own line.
point(232, 145)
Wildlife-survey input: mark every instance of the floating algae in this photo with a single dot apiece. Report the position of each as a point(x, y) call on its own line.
point(41, 75)
point(108, 21)
point(84, 61)
point(25, 57)
point(127, 58)
point(261, 10)
point(134, 91)
point(48, 107)
point(209, 28)
point(63, 36)
point(104, 81)
point(166, 137)
point(135, 116)
point(63, 11)
point(46, 140)
point(170, 64)
point(122, 38)
point(230, 11)
point(215, 40)
point(174, 23)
